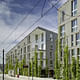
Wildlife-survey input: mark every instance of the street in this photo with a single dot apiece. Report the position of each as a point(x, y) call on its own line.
point(23, 78)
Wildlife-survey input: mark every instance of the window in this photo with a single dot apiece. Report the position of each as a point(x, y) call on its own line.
point(21, 50)
point(42, 46)
point(36, 38)
point(42, 63)
point(36, 47)
point(50, 54)
point(51, 37)
point(18, 46)
point(74, 25)
point(24, 49)
point(42, 55)
point(61, 54)
point(20, 57)
point(77, 38)
point(62, 31)
point(63, 13)
point(28, 39)
point(72, 40)
point(15, 51)
point(73, 52)
point(78, 51)
point(42, 37)
point(28, 48)
point(51, 47)
point(62, 43)
point(51, 62)
point(74, 7)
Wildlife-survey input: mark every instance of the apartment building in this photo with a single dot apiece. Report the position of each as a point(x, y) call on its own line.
point(69, 27)
point(40, 39)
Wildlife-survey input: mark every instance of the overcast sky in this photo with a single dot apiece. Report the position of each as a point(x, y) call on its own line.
point(13, 11)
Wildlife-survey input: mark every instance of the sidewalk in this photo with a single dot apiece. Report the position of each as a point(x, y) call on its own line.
point(29, 78)
point(26, 78)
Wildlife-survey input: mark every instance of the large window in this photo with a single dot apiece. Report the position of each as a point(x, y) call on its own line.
point(62, 31)
point(77, 38)
point(72, 40)
point(74, 7)
point(74, 25)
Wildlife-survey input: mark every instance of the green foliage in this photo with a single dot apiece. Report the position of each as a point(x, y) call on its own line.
point(66, 65)
point(23, 71)
point(39, 71)
point(67, 62)
point(35, 65)
point(10, 64)
point(46, 67)
point(30, 68)
point(73, 68)
point(77, 69)
point(40, 66)
point(57, 61)
point(21, 68)
point(6, 68)
point(16, 66)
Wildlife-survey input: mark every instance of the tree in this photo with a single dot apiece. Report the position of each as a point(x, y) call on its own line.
point(77, 69)
point(73, 66)
point(35, 64)
point(6, 68)
point(66, 64)
point(46, 67)
point(25, 70)
point(21, 67)
point(40, 66)
point(10, 64)
point(56, 61)
point(16, 66)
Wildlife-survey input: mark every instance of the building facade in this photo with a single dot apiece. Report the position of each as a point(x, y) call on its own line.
point(41, 40)
point(69, 27)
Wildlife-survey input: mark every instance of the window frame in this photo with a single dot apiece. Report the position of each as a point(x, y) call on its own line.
point(74, 25)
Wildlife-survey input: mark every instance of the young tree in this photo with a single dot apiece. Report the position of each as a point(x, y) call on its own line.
point(21, 67)
point(66, 64)
point(77, 69)
point(6, 68)
point(40, 66)
point(46, 67)
point(35, 64)
point(16, 66)
point(57, 68)
point(73, 66)
point(10, 64)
